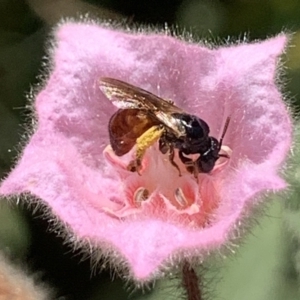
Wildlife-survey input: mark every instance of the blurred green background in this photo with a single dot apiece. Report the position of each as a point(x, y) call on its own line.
point(266, 266)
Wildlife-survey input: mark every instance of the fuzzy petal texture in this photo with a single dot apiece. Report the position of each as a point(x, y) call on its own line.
point(152, 221)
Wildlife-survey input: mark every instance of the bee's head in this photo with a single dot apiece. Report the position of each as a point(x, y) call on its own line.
point(207, 160)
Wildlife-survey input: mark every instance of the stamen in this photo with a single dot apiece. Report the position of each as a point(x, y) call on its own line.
point(224, 159)
point(226, 150)
point(140, 195)
point(180, 197)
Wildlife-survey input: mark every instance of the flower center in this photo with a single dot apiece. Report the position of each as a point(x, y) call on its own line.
point(160, 192)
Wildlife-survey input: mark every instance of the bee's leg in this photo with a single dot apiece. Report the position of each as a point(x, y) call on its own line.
point(147, 139)
point(196, 171)
point(171, 159)
point(189, 163)
point(163, 145)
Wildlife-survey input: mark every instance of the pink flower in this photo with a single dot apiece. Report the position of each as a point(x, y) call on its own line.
point(146, 223)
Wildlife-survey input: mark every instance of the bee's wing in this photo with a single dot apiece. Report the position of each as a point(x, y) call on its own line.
point(126, 96)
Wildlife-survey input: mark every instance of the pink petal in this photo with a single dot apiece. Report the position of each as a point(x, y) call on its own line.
point(63, 163)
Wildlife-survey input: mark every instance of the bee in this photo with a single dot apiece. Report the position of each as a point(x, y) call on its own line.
point(144, 118)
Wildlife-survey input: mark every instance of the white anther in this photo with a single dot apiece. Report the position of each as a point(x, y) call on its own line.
point(140, 195)
point(180, 198)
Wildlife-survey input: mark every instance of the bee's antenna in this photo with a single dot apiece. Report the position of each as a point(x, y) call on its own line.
point(224, 131)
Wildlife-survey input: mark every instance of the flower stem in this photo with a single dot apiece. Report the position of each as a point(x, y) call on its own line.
point(191, 282)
